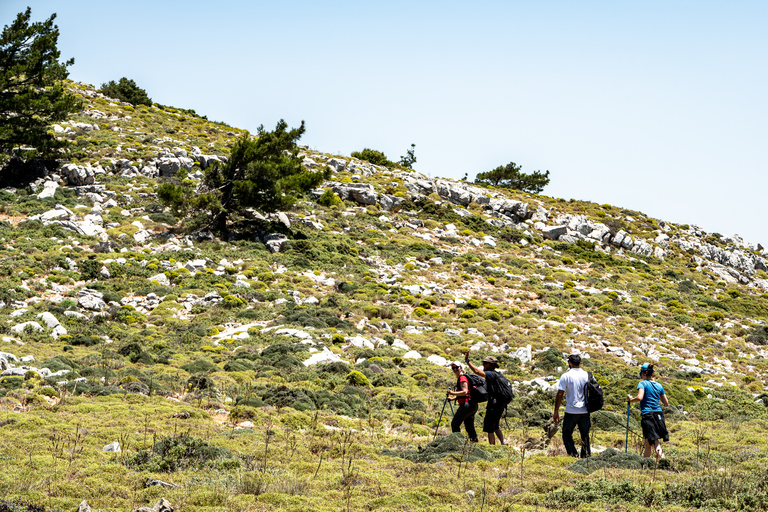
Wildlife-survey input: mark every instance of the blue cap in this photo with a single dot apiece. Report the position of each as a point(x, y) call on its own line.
point(645, 367)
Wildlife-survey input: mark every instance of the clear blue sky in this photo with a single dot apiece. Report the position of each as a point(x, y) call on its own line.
point(657, 106)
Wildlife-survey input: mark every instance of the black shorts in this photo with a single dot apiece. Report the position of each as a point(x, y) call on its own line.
point(654, 427)
point(492, 417)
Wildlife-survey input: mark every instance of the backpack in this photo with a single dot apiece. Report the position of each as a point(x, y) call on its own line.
point(593, 394)
point(478, 391)
point(502, 390)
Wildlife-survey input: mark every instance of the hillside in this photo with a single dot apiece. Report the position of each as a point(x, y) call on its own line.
point(301, 363)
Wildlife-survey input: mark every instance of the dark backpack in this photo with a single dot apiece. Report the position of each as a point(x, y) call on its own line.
point(593, 393)
point(478, 391)
point(501, 389)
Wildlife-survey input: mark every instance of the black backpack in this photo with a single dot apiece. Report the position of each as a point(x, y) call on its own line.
point(478, 391)
point(593, 394)
point(501, 389)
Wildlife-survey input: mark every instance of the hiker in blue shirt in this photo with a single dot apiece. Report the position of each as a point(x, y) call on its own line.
point(649, 394)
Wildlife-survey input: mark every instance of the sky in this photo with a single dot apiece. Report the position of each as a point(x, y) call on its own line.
point(654, 106)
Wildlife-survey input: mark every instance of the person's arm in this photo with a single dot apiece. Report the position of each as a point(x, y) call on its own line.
point(475, 369)
point(664, 399)
point(639, 397)
point(464, 391)
point(558, 401)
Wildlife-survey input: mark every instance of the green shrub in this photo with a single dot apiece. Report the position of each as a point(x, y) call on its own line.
point(163, 218)
point(550, 359)
point(89, 269)
point(182, 452)
point(356, 378)
point(126, 90)
point(329, 198)
point(373, 156)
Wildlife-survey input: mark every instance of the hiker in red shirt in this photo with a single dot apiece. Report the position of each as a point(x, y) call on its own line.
point(465, 413)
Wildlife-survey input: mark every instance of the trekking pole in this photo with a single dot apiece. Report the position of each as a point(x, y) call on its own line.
point(441, 417)
point(505, 417)
point(626, 439)
point(451, 405)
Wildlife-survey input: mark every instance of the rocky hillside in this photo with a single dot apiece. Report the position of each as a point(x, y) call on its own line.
point(333, 317)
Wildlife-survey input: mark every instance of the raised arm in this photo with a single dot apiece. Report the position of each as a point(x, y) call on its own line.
point(475, 369)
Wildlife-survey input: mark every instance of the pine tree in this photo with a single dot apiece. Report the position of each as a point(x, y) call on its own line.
point(263, 172)
point(511, 176)
point(32, 95)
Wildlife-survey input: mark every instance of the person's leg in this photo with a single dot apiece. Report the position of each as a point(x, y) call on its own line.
point(499, 435)
point(584, 424)
point(659, 452)
point(458, 418)
point(647, 452)
point(569, 423)
point(469, 422)
point(491, 423)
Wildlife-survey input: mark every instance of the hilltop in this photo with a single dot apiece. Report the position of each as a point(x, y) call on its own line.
point(301, 362)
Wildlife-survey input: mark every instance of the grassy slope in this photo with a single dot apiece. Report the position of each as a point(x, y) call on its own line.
point(318, 446)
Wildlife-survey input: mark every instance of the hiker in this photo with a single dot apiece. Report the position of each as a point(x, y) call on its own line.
point(496, 405)
point(465, 413)
point(572, 385)
point(649, 393)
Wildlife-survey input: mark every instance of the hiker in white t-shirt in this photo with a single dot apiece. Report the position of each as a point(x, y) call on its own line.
point(572, 385)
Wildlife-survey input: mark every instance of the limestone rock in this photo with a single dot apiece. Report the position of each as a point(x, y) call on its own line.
point(90, 299)
point(49, 190)
point(324, 357)
point(49, 320)
point(161, 279)
point(78, 174)
point(275, 242)
point(363, 193)
point(19, 328)
point(554, 232)
point(113, 447)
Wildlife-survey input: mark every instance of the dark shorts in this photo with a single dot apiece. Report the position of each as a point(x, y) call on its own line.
point(654, 427)
point(493, 416)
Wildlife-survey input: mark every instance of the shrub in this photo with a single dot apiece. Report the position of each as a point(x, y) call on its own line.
point(716, 316)
point(356, 378)
point(329, 198)
point(182, 452)
point(473, 304)
point(126, 90)
point(89, 269)
point(163, 218)
point(493, 315)
point(373, 156)
point(549, 359)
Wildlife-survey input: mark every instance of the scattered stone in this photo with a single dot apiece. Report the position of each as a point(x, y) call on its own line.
point(113, 447)
point(161, 506)
point(161, 279)
point(91, 299)
point(275, 242)
point(19, 328)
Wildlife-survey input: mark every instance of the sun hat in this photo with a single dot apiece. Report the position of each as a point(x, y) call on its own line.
point(491, 360)
point(457, 364)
